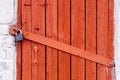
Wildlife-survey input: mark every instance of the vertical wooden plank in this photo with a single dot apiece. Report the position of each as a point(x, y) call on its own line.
point(51, 32)
point(18, 45)
point(35, 62)
point(38, 27)
point(111, 34)
point(64, 36)
point(90, 37)
point(78, 38)
point(26, 45)
point(111, 28)
point(102, 37)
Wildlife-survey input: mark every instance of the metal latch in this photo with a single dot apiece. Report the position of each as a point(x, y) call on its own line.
point(17, 33)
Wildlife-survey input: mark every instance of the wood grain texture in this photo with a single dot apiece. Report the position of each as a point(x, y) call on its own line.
point(85, 24)
point(78, 38)
point(111, 35)
point(68, 49)
point(38, 27)
point(111, 29)
point(18, 45)
point(26, 45)
point(51, 32)
point(91, 37)
point(102, 37)
point(64, 36)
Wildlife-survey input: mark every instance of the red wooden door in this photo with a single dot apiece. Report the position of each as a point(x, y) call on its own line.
point(85, 24)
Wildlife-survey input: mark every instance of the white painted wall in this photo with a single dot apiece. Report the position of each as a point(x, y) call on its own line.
point(7, 44)
point(117, 38)
point(8, 9)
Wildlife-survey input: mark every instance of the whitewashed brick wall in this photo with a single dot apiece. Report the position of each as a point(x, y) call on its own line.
point(117, 38)
point(7, 44)
point(8, 9)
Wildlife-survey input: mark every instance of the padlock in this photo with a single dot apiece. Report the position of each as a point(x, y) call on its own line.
point(18, 36)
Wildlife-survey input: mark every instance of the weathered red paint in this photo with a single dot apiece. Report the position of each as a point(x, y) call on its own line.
point(83, 24)
point(66, 48)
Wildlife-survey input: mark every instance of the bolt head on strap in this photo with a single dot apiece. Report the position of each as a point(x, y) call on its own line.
point(13, 30)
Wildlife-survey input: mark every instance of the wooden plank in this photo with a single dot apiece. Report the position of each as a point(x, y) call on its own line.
point(102, 37)
point(26, 45)
point(111, 29)
point(111, 35)
point(78, 38)
point(64, 36)
point(91, 37)
point(69, 49)
point(51, 32)
point(38, 27)
point(18, 45)
point(35, 61)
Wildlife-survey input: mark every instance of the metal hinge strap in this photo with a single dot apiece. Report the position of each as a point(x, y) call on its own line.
point(67, 48)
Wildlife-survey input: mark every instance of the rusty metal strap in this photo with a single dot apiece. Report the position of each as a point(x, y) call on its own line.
point(67, 48)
